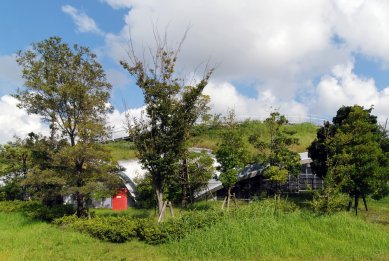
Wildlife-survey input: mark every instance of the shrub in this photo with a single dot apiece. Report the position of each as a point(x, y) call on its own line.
point(329, 201)
point(113, 229)
point(151, 232)
point(36, 210)
point(175, 229)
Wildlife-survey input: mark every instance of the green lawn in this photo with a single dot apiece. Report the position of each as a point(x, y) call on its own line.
point(254, 232)
point(23, 239)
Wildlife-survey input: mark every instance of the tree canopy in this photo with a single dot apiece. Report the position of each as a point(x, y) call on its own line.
point(350, 152)
point(172, 107)
point(276, 153)
point(68, 88)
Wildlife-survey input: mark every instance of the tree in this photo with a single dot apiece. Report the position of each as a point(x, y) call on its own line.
point(357, 163)
point(15, 161)
point(171, 110)
point(232, 155)
point(199, 170)
point(276, 152)
point(68, 88)
point(318, 150)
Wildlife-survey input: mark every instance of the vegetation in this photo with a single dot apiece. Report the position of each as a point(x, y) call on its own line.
point(121, 150)
point(232, 155)
point(276, 152)
point(68, 88)
point(267, 230)
point(209, 137)
point(171, 110)
point(257, 232)
point(349, 153)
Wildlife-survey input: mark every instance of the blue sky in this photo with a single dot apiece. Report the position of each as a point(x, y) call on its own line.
point(301, 57)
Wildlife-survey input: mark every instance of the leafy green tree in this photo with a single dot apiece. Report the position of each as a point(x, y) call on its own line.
point(68, 88)
point(276, 152)
point(199, 170)
point(356, 163)
point(232, 155)
point(171, 110)
point(318, 150)
point(15, 159)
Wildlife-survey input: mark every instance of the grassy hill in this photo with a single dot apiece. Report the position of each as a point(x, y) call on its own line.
point(210, 136)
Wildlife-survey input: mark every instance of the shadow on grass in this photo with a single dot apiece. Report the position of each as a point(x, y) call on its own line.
point(301, 199)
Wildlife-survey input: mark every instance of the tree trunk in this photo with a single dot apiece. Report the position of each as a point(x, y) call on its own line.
point(185, 183)
point(228, 198)
point(350, 204)
point(364, 202)
point(82, 209)
point(356, 199)
point(162, 213)
point(159, 200)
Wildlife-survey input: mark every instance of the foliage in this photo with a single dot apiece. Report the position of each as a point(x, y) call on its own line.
point(68, 88)
point(276, 151)
point(176, 229)
point(36, 210)
point(277, 175)
point(198, 171)
point(329, 201)
point(350, 151)
point(145, 195)
point(232, 155)
point(15, 161)
point(113, 229)
point(171, 110)
point(119, 229)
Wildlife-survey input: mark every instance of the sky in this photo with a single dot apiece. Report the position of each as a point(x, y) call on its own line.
point(303, 58)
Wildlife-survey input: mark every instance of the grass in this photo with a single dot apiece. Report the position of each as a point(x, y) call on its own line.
point(210, 137)
point(122, 150)
point(24, 239)
point(256, 231)
point(301, 235)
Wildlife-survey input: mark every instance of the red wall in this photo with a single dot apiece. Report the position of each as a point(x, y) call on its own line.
point(119, 200)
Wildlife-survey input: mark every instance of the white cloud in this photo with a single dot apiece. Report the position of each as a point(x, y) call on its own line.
point(363, 24)
point(225, 96)
point(277, 43)
point(117, 4)
point(83, 21)
point(14, 121)
point(344, 87)
point(280, 46)
point(117, 120)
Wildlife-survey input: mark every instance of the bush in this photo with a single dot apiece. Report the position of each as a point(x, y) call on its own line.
point(113, 229)
point(151, 232)
point(36, 210)
point(176, 229)
point(329, 201)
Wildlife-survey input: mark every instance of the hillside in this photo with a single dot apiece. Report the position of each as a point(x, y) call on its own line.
point(209, 137)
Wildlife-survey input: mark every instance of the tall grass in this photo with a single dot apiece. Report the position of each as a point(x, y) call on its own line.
point(259, 233)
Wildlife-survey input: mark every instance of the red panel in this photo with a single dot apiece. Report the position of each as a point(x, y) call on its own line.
point(119, 200)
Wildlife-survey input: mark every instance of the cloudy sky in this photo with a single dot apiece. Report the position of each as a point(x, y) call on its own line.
point(304, 58)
